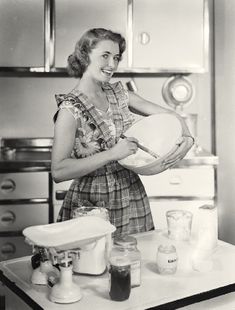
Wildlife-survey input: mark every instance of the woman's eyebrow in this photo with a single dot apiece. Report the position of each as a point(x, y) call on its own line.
point(111, 53)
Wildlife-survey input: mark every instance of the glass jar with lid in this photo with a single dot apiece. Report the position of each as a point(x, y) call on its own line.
point(119, 278)
point(126, 246)
point(167, 259)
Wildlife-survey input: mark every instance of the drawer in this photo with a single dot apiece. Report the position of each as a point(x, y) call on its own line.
point(159, 209)
point(198, 182)
point(14, 247)
point(17, 217)
point(24, 185)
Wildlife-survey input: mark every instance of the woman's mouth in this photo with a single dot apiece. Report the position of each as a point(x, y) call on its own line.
point(107, 72)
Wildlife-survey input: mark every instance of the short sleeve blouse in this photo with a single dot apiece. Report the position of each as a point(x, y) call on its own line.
point(109, 125)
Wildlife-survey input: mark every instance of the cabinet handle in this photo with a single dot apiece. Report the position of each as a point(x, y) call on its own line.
point(59, 195)
point(8, 186)
point(144, 38)
point(8, 249)
point(175, 180)
point(8, 218)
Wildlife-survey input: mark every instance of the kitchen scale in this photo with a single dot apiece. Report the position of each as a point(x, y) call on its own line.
point(41, 274)
point(62, 242)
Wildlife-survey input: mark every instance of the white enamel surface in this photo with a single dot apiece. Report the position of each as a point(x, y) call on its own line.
point(69, 234)
point(155, 289)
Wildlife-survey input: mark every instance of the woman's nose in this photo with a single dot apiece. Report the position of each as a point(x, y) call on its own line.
point(111, 62)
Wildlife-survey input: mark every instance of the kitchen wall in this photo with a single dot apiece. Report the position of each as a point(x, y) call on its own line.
point(27, 105)
point(225, 114)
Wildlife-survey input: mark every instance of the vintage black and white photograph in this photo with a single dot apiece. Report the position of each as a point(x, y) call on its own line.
point(117, 187)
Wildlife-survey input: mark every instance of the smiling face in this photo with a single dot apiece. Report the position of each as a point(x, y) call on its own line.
point(104, 59)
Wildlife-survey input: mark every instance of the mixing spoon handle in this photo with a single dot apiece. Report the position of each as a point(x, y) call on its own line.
point(144, 148)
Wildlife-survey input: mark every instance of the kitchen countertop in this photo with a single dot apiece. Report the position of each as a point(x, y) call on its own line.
point(186, 287)
point(22, 160)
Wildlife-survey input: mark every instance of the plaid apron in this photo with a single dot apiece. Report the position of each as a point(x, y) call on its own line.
point(114, 187)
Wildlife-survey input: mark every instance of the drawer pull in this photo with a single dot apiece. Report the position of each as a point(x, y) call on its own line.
point(8, 218)
point(176, 180)
point(59, 195)
point(8, 249)
point(8, 186)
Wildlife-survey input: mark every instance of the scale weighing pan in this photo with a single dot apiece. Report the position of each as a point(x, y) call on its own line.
point(70, 234)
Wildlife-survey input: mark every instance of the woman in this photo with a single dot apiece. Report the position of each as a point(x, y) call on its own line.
point(87, 144)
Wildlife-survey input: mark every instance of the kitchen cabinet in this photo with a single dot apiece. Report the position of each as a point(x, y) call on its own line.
point(180, 188)
point(185, 188)
point(162, 35)
point(21, 33)
point(23, 202)
point(170, 35)
point(73, 19)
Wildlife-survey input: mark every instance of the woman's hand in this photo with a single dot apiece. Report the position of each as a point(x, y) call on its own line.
point(181, 149)
point(124, 148)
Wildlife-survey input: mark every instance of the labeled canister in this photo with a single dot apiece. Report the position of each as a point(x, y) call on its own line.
point(167, 259)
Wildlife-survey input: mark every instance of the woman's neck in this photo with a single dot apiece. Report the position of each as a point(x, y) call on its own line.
point(89, 86)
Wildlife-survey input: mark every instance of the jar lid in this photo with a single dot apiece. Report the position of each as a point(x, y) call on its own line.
point(125, 240)
point(167, 248)
point(120, 261)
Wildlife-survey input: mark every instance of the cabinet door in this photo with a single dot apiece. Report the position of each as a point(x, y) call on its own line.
point(23, 185)
point(21, 33)
point(17, 217)
point(74, 17)
point(181, 182)
point(14, 247)
point(169, 35)
point(159, 209)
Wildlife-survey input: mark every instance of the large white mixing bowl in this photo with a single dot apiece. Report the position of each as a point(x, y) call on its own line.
point(160, 133)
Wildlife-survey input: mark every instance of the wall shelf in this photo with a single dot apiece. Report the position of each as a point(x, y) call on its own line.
point(62, 72)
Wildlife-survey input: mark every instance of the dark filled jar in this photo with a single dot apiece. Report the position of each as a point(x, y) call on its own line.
point(126, 246)
point(120, 278)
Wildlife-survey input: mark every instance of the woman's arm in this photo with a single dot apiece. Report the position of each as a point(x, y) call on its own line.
point(145, 107)
point(64, 167)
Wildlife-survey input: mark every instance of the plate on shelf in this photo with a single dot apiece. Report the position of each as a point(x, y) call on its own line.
point(178, 91)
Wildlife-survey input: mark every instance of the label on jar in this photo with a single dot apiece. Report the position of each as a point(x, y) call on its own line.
point(167, 262)
point(135, 273)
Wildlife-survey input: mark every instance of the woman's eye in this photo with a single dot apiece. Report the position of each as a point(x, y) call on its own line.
point(116, 58)
point(105, 56)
